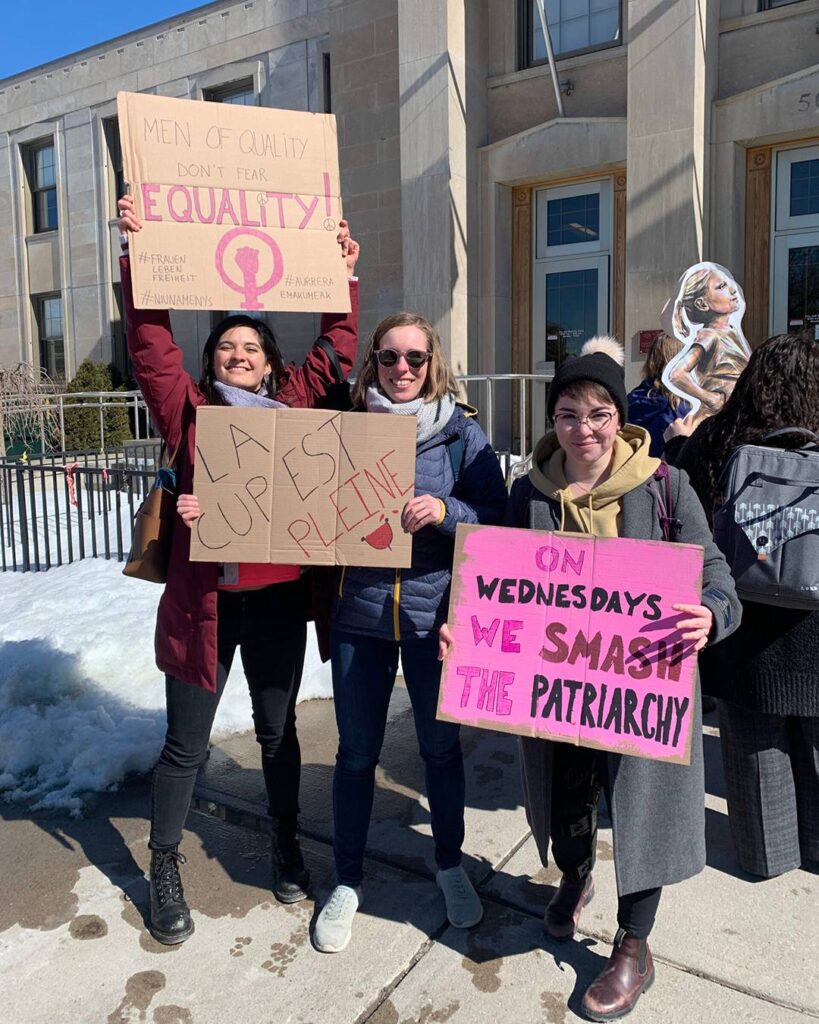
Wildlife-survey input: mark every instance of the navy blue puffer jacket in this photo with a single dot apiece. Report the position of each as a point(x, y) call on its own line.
point(396, 603)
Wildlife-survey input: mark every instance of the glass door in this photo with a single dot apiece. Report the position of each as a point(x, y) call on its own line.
point(796, 283)
point(570, 277)
point(795, 250)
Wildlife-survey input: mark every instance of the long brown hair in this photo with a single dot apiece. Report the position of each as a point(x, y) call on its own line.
point(440, 378)
point(660, 353)
point(778, 388)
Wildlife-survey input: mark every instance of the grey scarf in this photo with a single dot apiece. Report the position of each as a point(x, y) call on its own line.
point(240, 397)
point(432, 416)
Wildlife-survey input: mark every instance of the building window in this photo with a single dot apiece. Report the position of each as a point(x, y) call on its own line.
point(769, 5)
point(573, 219)
point(116, 176)
point(575, 26)
point(43, 182)
point(50, 328)
point(804, 188)
point(571, 273)
point(241, 93)
point(795, 249)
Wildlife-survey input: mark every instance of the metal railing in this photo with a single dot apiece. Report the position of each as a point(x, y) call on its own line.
point(520, 402)
point(50, 409)
point(58, 507)
point(483, 388)
point(50, 517)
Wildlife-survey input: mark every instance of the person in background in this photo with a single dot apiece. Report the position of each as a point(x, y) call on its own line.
point(651, 404)
point(766, 675)
point(381, 614)
point(207, 610)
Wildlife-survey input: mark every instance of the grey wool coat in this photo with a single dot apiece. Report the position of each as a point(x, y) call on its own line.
point(657, 808)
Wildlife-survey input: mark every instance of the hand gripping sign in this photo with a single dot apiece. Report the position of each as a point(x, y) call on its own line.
point(573, 638)
point(239, 205)
point(302, 486)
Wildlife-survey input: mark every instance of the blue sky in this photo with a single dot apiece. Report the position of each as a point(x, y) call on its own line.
point(39, 32)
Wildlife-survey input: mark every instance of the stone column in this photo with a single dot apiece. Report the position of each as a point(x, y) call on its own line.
point(672, 64)
point(364, 62)
point(442, 58)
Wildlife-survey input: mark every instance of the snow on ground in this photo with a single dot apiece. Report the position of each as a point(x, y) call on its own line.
point(81, 700)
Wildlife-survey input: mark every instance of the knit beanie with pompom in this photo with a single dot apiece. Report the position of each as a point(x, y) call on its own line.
point(601, 360)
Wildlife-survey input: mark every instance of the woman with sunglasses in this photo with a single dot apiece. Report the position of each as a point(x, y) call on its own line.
point(381, 613)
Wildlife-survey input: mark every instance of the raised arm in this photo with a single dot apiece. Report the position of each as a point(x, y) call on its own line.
point(167, 388)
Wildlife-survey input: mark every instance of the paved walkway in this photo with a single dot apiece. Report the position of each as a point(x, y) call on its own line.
point(73, 947)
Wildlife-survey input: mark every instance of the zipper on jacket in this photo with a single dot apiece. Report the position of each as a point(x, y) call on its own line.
point(396, 627)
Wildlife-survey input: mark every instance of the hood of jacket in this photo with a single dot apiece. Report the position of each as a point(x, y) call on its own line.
point(645, 404)
point(594, 512)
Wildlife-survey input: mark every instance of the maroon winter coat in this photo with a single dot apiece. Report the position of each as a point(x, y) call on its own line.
point(186, 620)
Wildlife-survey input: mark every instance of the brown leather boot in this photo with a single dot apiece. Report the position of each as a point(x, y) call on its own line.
point(629, 972)
point(563, 910)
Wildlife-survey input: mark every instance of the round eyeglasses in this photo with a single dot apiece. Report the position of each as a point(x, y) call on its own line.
point(415, 357)
point(598, 420)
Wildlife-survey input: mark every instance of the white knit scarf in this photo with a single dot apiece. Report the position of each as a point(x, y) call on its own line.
point(432, 416)
point(242, 398)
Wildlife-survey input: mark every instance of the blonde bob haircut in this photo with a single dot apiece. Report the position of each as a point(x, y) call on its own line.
point(440, 378)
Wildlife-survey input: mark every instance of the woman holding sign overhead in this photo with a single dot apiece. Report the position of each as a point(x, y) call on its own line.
point(380, 614)
point(208, 610)
point(593, 475)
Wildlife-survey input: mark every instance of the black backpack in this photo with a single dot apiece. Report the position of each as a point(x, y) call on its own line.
point(766, 522)
point(338, 394)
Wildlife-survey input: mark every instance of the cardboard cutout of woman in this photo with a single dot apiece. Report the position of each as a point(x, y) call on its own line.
point(706, 316)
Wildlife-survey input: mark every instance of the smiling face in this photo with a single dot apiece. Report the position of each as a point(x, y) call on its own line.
point(239, 359)
point(586, 428)
point(402, 382)
point(721, 295)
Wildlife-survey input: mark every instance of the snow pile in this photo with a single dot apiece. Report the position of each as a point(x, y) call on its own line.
point(81, 700)
point(61, 734)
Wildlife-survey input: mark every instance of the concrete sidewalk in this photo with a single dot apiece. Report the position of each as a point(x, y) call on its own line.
point(73, 947)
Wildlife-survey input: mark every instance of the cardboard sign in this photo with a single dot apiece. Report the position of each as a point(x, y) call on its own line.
point(572, 638)
point(302, 486)
point(239, 205)
point(705, 316)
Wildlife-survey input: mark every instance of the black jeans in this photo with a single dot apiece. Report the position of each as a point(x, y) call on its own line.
point(269, 628)
point(578, 776)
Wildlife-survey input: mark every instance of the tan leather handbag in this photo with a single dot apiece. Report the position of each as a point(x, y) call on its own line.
point(153, 529)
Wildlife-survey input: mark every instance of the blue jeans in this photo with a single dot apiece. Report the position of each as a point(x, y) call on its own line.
point(364, 670)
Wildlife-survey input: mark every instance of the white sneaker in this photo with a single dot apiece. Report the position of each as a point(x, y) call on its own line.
point(334, 925)
point(463, 908)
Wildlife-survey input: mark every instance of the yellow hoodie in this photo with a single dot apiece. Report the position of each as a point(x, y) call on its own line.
point(598, 511)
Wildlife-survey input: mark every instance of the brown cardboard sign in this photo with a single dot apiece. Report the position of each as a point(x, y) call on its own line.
point(302, 486)
point(239, 205)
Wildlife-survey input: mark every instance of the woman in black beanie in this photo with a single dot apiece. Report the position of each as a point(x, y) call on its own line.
point(593, 474)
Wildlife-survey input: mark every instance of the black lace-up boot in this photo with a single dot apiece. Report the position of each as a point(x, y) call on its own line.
point(289, 877)
point(170, 917)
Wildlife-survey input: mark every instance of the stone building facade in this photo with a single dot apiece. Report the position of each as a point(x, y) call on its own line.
point(690, 131)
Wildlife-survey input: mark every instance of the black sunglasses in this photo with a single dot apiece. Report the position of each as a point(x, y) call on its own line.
point(415, 357)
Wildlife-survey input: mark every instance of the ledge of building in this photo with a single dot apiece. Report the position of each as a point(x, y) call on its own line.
point(566, 64)
point(563, 146)
point(762, 17)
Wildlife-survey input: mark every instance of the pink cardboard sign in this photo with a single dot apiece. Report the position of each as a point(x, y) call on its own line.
point(573, 639)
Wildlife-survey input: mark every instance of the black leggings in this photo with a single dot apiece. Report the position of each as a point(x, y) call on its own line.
point(578, 776)
point(269, 628)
